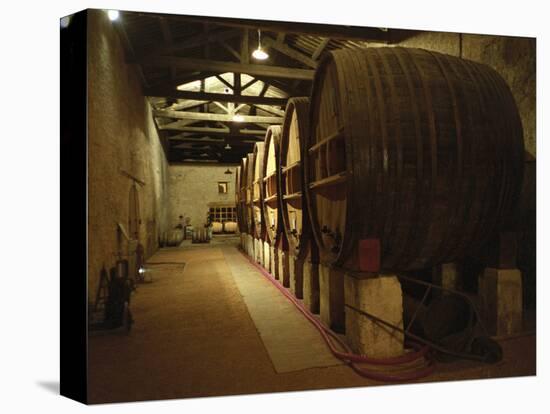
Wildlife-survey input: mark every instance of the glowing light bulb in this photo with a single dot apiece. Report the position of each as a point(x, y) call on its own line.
point(113, 15)
point(141, 270)
point(259, 54)
point(238, 118)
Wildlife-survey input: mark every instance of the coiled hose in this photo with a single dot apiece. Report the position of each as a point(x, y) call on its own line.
point(400, 374)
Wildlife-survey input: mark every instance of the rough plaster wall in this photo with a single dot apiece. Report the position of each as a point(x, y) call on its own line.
point(513, 57)
point(121, 136)
point(192, 187)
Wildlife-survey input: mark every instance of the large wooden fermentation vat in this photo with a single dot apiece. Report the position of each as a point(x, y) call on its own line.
point(241, 196)
point(414, 158)
point(238, 195)
point(248, 193)
point(258, 222)
point(293, 202)
point(270, 183)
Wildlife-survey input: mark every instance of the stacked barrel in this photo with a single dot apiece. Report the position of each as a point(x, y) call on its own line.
point(401, 159)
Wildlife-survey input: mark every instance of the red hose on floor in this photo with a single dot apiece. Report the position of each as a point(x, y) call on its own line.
point(354, 359)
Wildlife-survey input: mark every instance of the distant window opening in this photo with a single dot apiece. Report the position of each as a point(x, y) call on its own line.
point(222, 187)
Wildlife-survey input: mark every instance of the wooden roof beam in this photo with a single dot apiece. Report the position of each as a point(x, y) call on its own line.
point(271, 110)
point(216, 117)
point(167, 36)
point(286, 50)
point(209, 96)
point(245, 57)
point(345, 32)
point(230, 49)
point(320, 48)
point(184, 140)
point(173, 126)
point(189, 43)
point(220, 66)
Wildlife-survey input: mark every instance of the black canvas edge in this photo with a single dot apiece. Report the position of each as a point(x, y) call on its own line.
point(73, 209)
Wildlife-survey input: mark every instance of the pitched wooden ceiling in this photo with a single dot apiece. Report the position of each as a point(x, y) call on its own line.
point(198, 73)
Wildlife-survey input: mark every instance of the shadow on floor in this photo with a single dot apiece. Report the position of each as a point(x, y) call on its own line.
point(51, 386)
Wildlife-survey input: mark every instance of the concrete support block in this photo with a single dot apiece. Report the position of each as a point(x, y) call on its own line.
point(310, 275)
point(296, 276)
point(283, 267)
point(382, 297)
point(250, 246)
point(331, 297)
point(259, 251)
point(448, 276)
point(266, 259)
point(273, 262)
point(501, 302)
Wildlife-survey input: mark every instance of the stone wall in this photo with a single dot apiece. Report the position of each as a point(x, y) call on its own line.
point(513, 57)
point(121, 137)
point(194, 187)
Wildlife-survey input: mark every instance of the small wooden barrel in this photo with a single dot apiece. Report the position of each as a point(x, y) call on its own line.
point(258, 221)
point(270, 185)
point(414, 158)
point(217, 227)
point(174, 237)
point(162, 239)
point(293, 200)
point(229, 227)
point(199, 234)
point(248, 190)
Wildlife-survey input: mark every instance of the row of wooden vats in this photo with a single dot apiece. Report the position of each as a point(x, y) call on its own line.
point(401, 159)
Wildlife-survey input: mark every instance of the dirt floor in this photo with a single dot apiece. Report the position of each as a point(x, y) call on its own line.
point(193, 336)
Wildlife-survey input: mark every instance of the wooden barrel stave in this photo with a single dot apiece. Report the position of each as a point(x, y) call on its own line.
point(248, 193)
point(243, 218)
point(271, 185)
point(293, 204)
point(258, 221)
point(238, 211)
